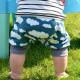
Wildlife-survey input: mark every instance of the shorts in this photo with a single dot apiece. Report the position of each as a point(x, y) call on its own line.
point(55, 52)
point(49, 32)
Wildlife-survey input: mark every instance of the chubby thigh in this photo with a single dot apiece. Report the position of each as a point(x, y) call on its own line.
point(50, 32)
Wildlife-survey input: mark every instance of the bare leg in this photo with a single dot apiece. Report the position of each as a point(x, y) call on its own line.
point(60, 64)
point(16, 64)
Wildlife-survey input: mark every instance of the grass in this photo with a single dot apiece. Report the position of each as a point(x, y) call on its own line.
point(39, 65)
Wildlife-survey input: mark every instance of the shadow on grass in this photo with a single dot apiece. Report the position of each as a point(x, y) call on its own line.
point(4, 69)
point(4, 64)
point(51, 77)
point(6, 78)
point(35, 53)
point(75, 43)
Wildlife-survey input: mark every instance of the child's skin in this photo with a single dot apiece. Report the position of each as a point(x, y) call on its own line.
point(17, 61)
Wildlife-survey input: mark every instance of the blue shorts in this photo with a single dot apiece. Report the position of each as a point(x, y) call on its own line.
point(49, 32)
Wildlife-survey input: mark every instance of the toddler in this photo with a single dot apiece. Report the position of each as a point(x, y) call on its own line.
point(39, 20)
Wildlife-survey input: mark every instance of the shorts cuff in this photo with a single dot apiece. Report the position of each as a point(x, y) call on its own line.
point(60, 52)
point(18, 50)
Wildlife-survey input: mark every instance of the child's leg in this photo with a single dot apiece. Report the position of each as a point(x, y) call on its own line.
point(16, 64)
point(60, 61)
point(60, 64)
point(17, 58)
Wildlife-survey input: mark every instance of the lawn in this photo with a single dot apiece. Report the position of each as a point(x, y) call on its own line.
point(39, 65)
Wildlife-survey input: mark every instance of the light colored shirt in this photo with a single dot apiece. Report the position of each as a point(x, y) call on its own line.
point(41, 8)
point(16, 1)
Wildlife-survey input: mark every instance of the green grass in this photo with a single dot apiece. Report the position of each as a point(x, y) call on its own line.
point(39, 65)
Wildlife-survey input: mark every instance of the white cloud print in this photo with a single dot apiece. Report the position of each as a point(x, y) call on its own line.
point(56, 27)
point(32, 22)
point(12, 42)
point(65, 46)
point(29, 37)
point(42, 41)
point(23, 44)
point(59, 28)
point(19, 20)
point(58, 21)
point(22, 31)
point(47, 25)
point(15, 35)
point(53, 47)
point(54, 35)
point(54, 41)
point(15, 27)
point(39, 34)
point(62, 38)
point(44, 19)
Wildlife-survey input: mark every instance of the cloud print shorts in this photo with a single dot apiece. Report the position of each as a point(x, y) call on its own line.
point(49, 32)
